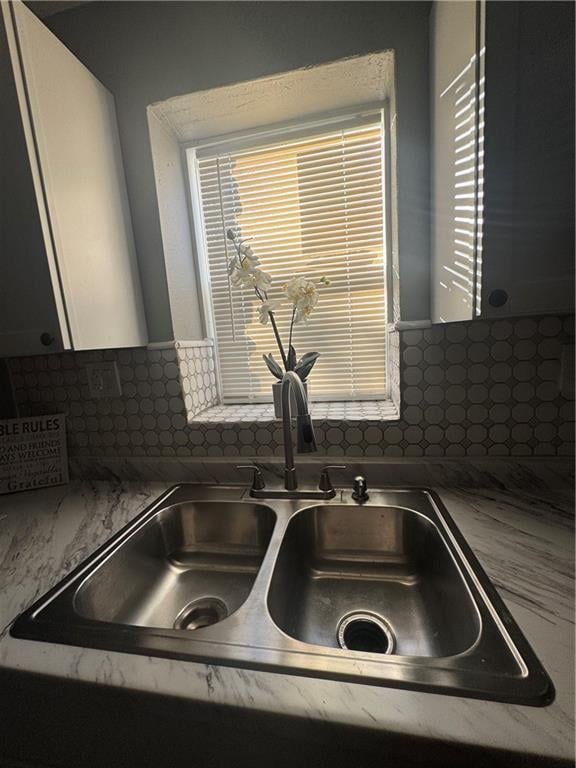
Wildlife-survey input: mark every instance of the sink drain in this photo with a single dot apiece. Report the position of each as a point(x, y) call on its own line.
point(365, 632)
point(201, 613)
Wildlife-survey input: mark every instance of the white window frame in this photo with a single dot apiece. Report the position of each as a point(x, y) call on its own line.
point(257, 137)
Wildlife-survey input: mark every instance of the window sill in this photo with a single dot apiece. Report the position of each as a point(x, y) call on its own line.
point(349, 411)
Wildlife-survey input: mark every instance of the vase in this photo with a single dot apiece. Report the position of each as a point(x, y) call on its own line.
point(277, 396)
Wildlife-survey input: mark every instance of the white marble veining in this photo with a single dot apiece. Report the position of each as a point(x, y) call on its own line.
point(523, 539)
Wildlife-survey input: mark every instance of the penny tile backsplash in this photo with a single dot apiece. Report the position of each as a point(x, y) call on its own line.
point(482, 388)
point(197, 376)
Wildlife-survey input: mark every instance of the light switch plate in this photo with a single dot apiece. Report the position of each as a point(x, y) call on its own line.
point(103, 379)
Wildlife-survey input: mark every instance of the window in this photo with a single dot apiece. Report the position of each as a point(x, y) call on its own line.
point(312, 200)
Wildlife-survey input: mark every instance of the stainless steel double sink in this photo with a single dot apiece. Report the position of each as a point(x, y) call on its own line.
point(386, 593)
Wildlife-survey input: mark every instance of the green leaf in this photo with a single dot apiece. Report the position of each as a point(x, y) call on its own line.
point(273, 366)
point(308, 356)
point(305, 364)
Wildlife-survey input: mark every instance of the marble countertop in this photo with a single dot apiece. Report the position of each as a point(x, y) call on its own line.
point(523, 539)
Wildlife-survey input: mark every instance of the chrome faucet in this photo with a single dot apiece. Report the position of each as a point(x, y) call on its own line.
point(305, 437)
point(305, 443)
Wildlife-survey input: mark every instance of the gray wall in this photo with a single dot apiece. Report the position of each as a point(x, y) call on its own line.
point(149, 51)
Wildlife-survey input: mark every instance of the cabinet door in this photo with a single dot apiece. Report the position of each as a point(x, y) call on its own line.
point(529, 176)
point(455, 161)
point(32, 316)
point(78, 150)
point(514, 240)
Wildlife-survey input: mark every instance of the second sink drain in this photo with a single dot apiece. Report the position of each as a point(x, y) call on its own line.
point(361, 631)
point(201, 613)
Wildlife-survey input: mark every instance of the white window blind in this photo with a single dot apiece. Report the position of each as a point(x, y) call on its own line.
point(313, 206)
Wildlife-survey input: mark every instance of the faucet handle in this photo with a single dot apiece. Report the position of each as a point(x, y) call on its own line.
point(325, 483)
point(257, 480)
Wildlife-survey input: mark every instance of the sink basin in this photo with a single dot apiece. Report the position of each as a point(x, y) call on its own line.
point(385, 572)
point(192, 565)
point(386, 593)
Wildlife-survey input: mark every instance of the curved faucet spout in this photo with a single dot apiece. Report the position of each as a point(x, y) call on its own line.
point(305, 437)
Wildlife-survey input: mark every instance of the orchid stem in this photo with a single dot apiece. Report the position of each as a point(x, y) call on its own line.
point(278, 340)
point(291, 327)
point(275, 329)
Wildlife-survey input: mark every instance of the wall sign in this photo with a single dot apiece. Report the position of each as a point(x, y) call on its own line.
point(33, 453)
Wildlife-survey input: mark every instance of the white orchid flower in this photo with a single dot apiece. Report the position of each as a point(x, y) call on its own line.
point(303, 312)
point(294, 289)
point(264, 310)
point(243, 274)
point(303, 295)
point(233, 265)
point(247, 253)
point(261, 280)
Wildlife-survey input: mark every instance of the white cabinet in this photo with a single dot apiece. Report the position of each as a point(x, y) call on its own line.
point(68, 274)
point(455, 149)
point(502, 198)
